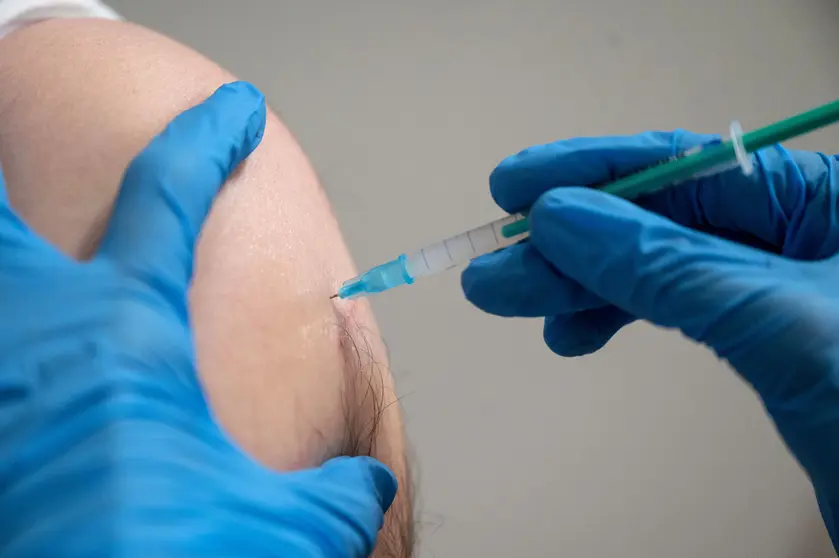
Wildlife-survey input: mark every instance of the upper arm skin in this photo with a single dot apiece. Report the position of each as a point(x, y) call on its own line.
point(293, 377)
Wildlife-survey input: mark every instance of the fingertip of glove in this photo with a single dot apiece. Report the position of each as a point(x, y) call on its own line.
point(500, 188)
point(558, 340)
point(475, 278)
point(246, 99)
point(585, 332)
point(499, 283)
point(518, 179)
point(369, 471)
point(383, 480)
point(469, 279)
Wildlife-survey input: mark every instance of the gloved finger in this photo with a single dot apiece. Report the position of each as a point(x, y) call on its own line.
point(518, 281)
point(643, 263)
point(349, 497)
point(169, 187)
point(520, 179)
point(582, 333)
point(789, 202)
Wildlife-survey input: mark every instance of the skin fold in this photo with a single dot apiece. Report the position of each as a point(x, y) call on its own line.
point(293, 377)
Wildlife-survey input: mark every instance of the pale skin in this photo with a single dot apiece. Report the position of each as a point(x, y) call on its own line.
point(294, 377)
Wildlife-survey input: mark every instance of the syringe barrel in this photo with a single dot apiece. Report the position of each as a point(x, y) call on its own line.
point(462, 248)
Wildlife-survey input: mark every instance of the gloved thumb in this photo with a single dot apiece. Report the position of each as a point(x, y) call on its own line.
point(364, 475)
point(648, 265)
point(348, 497)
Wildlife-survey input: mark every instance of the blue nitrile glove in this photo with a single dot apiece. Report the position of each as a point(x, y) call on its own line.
point(107, 445)
point(767, 303)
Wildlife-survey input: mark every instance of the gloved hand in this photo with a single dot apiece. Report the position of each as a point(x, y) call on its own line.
point(746, 265)
point(107, 442)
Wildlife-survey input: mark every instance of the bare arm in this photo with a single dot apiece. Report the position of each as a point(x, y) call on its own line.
point(293, 377)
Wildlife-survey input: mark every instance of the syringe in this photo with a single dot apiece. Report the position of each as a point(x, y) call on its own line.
point(434, 258)
point(693, 163)
point(461, 248)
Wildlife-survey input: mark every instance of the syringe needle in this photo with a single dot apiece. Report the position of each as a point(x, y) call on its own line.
point(333, 296)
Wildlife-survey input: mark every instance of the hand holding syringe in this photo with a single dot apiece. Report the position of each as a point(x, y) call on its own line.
point(703, 161)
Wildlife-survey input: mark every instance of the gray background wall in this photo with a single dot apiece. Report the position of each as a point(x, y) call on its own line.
point(650, 447)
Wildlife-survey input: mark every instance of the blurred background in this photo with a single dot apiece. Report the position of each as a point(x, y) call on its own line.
point(650, 447)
